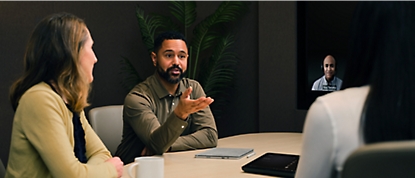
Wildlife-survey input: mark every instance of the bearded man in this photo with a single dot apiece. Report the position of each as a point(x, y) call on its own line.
point(167, 112)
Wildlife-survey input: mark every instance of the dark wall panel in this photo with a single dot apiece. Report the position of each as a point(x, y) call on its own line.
point(278, 68)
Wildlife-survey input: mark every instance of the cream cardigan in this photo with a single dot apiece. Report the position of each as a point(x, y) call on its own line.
point(42, 140)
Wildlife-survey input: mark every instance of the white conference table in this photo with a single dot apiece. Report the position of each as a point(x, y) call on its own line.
point(184, 165)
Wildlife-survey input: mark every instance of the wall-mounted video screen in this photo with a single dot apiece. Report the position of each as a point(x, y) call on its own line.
point(323, 29)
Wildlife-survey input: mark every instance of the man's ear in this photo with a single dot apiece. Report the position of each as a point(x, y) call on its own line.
point(154, 58)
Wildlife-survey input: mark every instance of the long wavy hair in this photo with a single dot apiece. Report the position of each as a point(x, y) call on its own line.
point(383, 56)
point(52, 54)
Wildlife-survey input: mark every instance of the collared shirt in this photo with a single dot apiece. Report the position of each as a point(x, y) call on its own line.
point(149, 121)
point(322, 84)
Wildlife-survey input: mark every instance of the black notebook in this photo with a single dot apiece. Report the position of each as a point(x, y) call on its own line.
point(275, 164)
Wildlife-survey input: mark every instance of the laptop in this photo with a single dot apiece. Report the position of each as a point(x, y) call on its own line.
point(225, 153)
point(274, 164)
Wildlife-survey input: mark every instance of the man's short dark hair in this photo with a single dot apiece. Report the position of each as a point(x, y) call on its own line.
point(169, 35)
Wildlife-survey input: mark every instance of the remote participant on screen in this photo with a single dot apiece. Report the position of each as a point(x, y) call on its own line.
point(328, 82)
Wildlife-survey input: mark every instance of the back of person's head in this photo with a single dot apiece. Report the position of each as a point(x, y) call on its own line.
point(383, 56)
point(52, 53)
point(168, 35)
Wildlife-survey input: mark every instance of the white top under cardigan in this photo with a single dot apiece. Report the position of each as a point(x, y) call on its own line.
point(331, 132)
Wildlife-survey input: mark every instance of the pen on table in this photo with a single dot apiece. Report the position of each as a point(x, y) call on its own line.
point(250, 155)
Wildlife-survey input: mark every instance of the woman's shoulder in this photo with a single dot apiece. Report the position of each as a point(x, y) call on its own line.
point(348, 94)
point(40, 87)
point(40, 99)
point(347, 103)
point(40, 92)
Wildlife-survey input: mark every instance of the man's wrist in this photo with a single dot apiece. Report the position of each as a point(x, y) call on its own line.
point(180, 115)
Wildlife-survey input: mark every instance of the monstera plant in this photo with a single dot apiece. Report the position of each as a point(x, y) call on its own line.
point(211, 61)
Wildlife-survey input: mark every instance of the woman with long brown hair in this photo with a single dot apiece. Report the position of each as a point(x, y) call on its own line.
point(51, 136)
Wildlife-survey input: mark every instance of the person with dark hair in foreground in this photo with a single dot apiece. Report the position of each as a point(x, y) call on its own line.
point(377, 103)
point(51, 136)
point(167, 112)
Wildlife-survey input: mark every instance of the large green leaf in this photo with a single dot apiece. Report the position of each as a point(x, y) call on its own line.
point(149, 26)
point(129, 74)
point(203, 39)
point(185, 12)
point(219, 71)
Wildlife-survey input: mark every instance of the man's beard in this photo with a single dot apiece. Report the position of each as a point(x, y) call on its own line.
point(173, 79)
